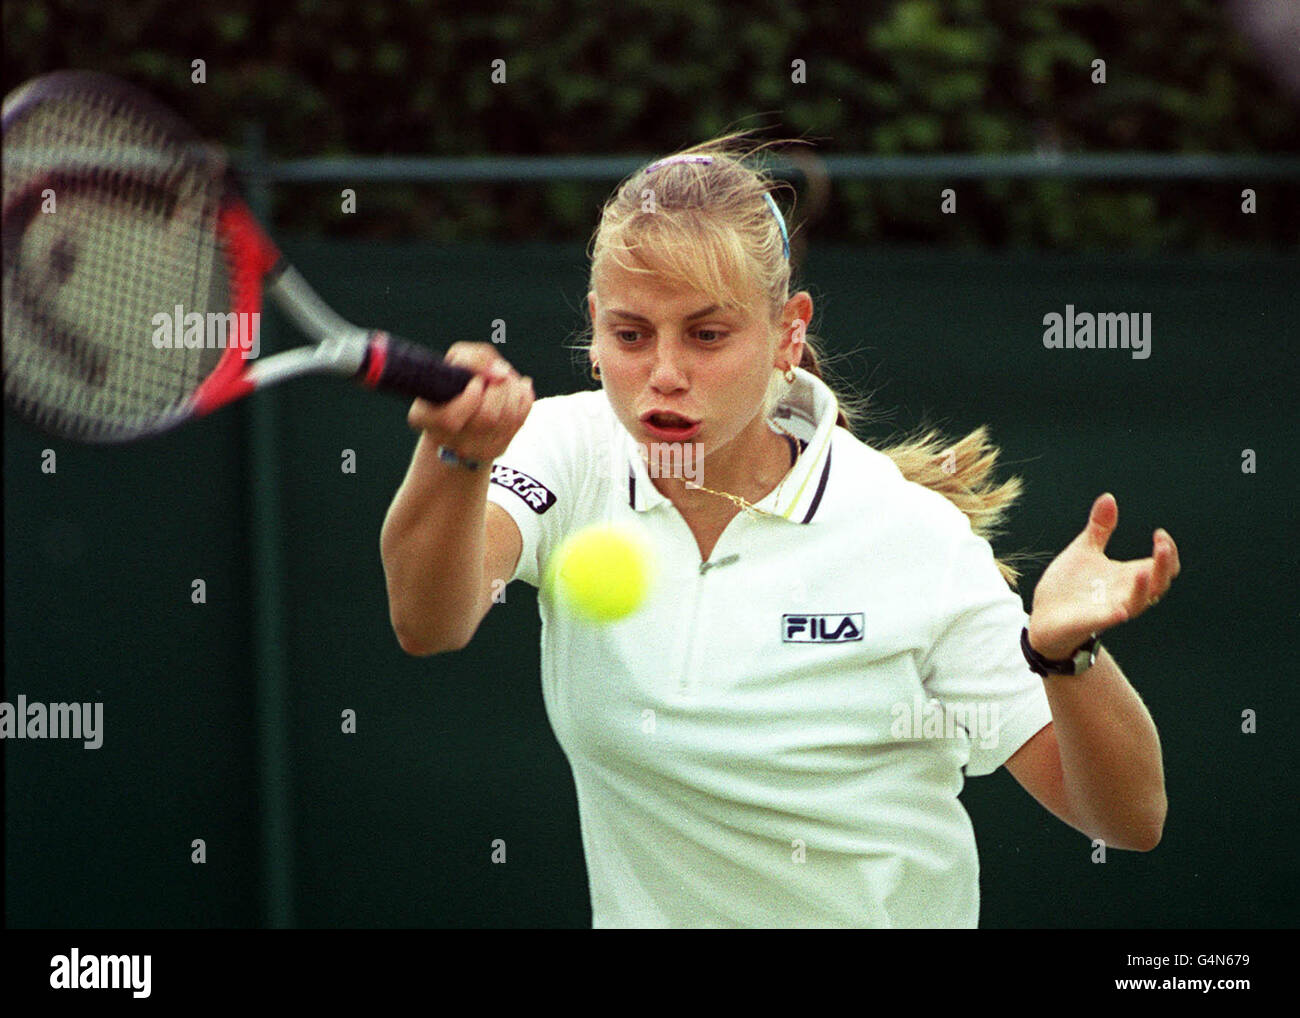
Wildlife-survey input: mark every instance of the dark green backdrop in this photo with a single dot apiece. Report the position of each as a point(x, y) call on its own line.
point(393, 826)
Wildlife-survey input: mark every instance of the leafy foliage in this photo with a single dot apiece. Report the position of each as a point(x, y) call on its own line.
point(326, 77)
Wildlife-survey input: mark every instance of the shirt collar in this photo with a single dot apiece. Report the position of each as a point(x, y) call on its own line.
point(808, 410)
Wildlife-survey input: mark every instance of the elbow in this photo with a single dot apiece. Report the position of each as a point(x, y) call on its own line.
point(416, 648)
point(415, 635)
point(1134, 831)
point(1149, 844)
point(1155, 825)
point(418, 644)
point(1145, 840)
point(1145, 834)
point(1150, 835)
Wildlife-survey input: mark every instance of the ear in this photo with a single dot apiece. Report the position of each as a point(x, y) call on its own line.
point(795, 317)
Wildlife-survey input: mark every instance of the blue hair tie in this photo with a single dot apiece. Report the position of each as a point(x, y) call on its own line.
point(780, 221)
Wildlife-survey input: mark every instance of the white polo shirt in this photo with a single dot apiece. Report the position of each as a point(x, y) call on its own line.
point(779, 736)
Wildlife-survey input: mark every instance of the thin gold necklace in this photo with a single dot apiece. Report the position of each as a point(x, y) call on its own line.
point(749, 506)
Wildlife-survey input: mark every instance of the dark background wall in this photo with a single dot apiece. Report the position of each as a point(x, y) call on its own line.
point(884, 77)
point(393, 826)
point(223, 719)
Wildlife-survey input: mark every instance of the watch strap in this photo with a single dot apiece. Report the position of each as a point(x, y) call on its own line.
point(1080, 661)
point(454, 459)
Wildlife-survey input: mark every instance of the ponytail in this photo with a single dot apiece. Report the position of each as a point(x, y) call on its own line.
point(960, 471)
point(963, 473)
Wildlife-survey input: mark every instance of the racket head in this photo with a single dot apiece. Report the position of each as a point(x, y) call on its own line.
point(119, 224)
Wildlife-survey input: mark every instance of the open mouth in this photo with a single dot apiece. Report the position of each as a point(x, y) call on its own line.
point(667, 424)
point(669, 420)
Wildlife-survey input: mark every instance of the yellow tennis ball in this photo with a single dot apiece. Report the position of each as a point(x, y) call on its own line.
point(603, 572)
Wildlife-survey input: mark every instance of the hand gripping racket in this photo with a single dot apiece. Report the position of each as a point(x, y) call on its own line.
point(134, 275)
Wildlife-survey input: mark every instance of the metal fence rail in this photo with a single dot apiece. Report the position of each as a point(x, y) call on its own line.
point(525, 169)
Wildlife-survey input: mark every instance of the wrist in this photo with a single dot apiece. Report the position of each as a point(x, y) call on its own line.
point(1050, 651)
point(1047, 659)
point(459, 461)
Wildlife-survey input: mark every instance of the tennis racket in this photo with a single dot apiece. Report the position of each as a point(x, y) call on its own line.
point(134, 275)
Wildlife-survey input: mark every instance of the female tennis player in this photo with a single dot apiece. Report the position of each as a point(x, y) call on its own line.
point(779, 736)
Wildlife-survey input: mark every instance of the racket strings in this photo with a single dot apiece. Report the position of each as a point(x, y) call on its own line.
point(107, 297)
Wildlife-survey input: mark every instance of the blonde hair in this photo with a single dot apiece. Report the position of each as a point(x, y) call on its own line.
point(701, 218)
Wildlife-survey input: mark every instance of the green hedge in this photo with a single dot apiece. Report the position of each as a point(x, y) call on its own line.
point(905, 76)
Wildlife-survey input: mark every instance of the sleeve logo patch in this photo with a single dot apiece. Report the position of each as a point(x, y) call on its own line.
point(536, 495)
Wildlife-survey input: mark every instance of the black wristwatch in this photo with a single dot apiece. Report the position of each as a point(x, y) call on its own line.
point(1077, 663)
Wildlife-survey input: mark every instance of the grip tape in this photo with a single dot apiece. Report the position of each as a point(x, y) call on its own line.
point(409, 369)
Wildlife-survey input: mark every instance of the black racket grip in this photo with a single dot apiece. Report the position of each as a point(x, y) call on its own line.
point(409, 369)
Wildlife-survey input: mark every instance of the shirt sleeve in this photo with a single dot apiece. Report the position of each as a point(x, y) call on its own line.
point(535, 480)
point(975, 667)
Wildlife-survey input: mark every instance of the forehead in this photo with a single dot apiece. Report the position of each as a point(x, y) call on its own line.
point(653, 294)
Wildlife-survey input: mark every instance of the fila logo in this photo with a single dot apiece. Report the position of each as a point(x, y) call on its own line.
point(822, 628)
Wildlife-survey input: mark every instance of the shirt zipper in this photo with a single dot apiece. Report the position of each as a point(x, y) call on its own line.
point(684, 683)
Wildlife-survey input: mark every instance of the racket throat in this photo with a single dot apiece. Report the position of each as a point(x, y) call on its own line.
point(346, 356)
point(340, 356)
point(295, 297)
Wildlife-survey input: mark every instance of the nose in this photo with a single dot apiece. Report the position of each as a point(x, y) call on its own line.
point(669, 371)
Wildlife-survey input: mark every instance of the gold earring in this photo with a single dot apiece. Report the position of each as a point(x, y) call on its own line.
point(595, 370)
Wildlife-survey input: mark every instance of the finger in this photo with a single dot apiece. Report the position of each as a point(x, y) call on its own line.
point(522, 403)
point(515, 412)
point(481, 358)
point(426, 416)
point(462, 409)
point(516, 398)
point(1140, 600)
point(1102, 520)
point(1162, 570)
point(500, 370)
point(1166, 556)
point(418, 414)
point(488, 415)
point(1167, 541)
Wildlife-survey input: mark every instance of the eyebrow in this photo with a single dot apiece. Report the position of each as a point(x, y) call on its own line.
point(702, 313)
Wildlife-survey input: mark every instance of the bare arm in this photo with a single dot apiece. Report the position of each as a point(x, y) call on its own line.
point(442, 543)
point(1098, 765)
